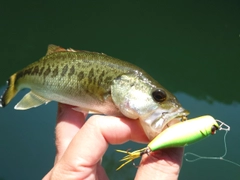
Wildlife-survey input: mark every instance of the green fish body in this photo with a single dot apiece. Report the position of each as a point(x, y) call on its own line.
point(98, 83)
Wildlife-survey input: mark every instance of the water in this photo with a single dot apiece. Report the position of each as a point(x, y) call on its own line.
point(193, 49)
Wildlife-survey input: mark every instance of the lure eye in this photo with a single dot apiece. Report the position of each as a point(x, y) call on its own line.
point(214, 129)
point(159, 95)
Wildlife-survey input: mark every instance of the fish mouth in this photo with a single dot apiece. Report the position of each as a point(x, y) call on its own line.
point(173, 118)
point(155, 124)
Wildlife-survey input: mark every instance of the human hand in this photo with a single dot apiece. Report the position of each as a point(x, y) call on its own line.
point(81, 145)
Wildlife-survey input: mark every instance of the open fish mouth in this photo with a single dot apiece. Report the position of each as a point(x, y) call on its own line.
point(179, 114)
point(168, 118)
point(154, 124)
point(179, 117)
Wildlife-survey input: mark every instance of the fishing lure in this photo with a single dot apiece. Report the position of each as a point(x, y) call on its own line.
point(178, 135)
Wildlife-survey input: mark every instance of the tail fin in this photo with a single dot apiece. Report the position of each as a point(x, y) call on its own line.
point(10, 92)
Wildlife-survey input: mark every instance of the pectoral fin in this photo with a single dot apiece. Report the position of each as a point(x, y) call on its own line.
point(30, 100)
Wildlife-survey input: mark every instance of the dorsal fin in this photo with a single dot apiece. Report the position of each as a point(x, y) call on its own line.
point(53, 48)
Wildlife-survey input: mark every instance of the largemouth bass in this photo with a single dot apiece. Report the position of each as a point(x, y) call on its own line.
point(98, 83)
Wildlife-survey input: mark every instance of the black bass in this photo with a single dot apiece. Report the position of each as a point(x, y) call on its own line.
point(98, 83)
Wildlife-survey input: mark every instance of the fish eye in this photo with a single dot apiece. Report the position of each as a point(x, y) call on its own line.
point(214, 129)
point(159, 95)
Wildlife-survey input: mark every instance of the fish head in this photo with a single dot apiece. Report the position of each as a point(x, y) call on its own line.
point(137, 97)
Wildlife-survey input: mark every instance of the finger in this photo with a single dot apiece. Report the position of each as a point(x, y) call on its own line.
point(165, 163)
point(98, 132)
point(89, 145)
point(48, 175)
point(69, 122)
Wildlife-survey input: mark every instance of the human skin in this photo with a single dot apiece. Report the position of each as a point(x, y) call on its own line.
point(81, 144)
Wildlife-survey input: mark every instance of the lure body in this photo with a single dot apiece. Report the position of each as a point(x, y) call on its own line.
point(98, 83)
point(178, 135)
point(184, 133)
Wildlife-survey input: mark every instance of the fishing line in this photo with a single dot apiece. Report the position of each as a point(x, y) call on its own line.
point(225, 128)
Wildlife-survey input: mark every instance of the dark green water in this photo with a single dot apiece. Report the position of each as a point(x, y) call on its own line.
point(192, 48)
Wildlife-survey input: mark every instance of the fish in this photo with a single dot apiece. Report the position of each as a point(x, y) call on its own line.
point(97, 83)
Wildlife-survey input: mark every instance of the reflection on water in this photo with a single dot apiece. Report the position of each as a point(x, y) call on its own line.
point(27, 143)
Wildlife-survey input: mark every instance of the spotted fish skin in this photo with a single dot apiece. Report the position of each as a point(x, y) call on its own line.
point(94, 82)
point(70, 76)
point(73, 74)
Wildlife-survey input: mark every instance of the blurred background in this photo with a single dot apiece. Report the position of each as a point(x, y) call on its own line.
point(191, 47)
